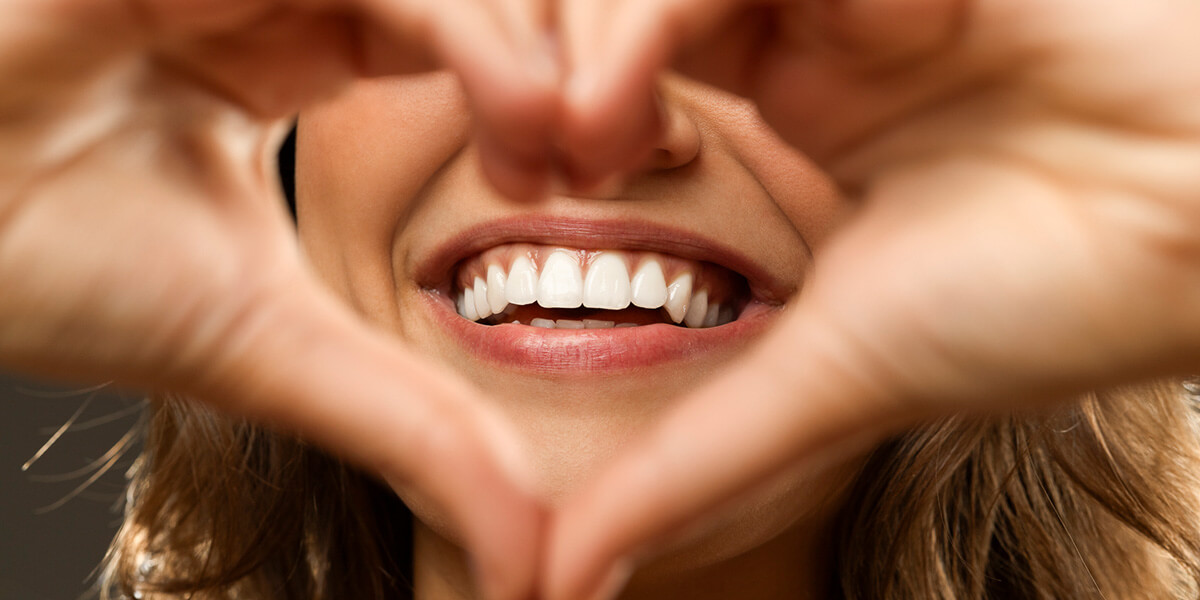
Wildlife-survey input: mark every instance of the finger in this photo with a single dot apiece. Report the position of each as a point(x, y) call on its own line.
point(280, 64)
point(287, 53)
point(505, 57)
point(515, 136)
point(195, 17)
point(615, 51)
point(305, 363)
point(775, 51)
point(892, 330)
point(798, 397)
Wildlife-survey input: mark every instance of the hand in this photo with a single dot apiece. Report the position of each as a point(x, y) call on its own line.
point(142, 236)
point(1027, 176)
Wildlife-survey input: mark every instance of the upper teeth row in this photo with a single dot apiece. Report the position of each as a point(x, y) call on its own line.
point(561, 284)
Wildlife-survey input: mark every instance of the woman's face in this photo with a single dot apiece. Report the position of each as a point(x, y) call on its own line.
point(716, 230)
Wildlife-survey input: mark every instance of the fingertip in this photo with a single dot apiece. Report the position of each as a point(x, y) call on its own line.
point(514, 125)
point(577, 561)
point(612, 582)
point(604, 582)
point(503, 526)
point(511, 456)
point(608, 131)
point(520, 178)
point(510, 570)
point(513, 81)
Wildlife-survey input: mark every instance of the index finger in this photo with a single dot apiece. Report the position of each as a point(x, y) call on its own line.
point(499, 48)
point(798, 397)
point(307, 364)
point(614, 52)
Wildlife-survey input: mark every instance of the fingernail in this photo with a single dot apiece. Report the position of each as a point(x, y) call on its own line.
point(614, 581)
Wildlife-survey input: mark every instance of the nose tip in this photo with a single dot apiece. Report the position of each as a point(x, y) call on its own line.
point(679, 144)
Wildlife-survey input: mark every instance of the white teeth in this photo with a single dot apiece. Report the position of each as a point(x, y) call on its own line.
point(648, 288)
point(521, 287)
point(496, 280)
point(697, 310)
point(679, 294)
point(607, 283)
point(481, 300)
point(623, 325)
point(561, 282)
point(467, 310)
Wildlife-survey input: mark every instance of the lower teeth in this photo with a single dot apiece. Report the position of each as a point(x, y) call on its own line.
point(715, 316)
point(571, 324)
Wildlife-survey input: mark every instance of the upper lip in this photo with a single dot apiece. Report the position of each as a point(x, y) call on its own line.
point(603, 234)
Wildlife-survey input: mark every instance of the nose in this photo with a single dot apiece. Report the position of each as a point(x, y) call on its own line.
point(679, 143)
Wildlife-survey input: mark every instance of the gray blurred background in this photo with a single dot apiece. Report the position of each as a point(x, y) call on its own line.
point(52, 536)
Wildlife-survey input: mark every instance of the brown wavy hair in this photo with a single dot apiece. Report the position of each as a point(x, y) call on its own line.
point(1095, 500)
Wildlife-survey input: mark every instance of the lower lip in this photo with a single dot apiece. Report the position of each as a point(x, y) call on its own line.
point(567, 351)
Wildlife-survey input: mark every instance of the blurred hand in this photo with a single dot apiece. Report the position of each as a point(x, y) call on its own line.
point(1028, 181)
point(142, 236)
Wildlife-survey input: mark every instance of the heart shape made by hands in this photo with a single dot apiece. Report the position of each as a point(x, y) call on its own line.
point(980, 229)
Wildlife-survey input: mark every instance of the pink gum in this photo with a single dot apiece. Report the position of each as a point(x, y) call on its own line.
point(718, 281)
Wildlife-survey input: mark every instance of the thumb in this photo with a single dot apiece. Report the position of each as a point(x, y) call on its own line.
point(796, 398)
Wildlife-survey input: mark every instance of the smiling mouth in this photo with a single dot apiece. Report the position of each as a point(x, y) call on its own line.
point(597, 282)
point(555, 287)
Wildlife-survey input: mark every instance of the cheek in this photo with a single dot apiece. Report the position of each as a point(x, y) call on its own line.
point(361, 159)
point(805, 193)
point(813, 203)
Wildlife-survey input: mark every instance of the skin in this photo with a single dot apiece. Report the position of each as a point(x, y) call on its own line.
point(152, 139)
point(1027, 173)
point(418, 183)
point(1024, 171)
